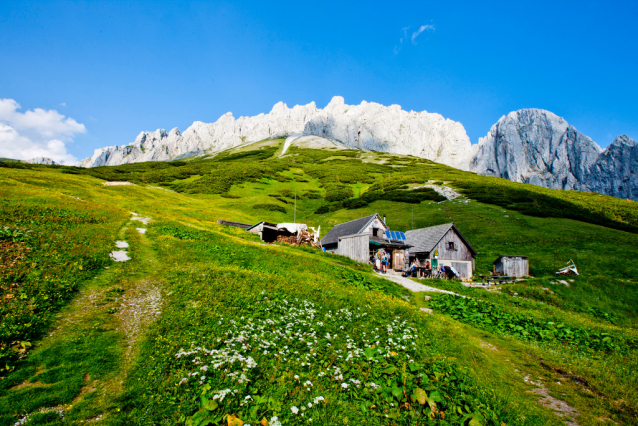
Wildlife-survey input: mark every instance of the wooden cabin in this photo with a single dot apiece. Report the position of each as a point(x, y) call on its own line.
point(363, 237)
point(442, 245)
point(372, 225)
point(512, 266)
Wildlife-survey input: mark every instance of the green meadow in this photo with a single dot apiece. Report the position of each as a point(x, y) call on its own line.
point(207, 325)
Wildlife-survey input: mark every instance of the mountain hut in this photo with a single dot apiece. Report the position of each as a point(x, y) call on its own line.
point(361, 238)
point(442, 245)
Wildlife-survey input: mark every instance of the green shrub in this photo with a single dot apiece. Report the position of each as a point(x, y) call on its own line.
point(335, 193)
point(270, 207)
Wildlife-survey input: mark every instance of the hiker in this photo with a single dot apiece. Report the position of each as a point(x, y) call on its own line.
point(377, 261)
point(414, 268)
point(444, 271)
point(427, 270)
point(449, 273)
point(384, 262)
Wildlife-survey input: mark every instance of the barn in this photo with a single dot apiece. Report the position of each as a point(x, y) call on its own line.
point(512, 266)
point(442, 245)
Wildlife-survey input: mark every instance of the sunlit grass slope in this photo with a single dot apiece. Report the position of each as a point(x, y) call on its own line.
point(256, 331)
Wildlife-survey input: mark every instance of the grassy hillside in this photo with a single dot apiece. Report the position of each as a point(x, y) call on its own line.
point(207, 325)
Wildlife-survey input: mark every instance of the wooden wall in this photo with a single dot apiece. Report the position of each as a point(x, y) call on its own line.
point(376, 223)
point(512, 266)
point(461, 252)
point(355, 247)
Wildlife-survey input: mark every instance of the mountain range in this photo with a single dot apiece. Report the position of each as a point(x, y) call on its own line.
point(530, 145)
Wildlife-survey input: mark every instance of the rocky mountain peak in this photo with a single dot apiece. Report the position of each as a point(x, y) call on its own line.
point(538, 147)
point(41, 160)
point(368, 126)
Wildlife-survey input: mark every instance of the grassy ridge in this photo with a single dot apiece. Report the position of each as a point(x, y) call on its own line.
point(386, 173)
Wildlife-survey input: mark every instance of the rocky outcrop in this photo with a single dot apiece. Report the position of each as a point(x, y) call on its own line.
point(41, 160)
point(368, 126)
point(616, 171)
point(538, 147)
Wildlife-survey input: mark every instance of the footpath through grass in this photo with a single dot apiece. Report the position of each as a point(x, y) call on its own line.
point(75, 372)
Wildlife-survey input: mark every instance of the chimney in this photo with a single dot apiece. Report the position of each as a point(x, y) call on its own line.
point(384, 218)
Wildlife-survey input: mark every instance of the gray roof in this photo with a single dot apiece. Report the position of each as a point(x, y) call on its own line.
point(268, 224)
point(347, 228)
point(424, 240)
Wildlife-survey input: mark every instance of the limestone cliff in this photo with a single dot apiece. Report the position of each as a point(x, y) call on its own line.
point(368, 126)
point(538, 147)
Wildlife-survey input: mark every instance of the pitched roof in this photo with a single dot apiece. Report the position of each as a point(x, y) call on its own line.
point(267, 224)
point(347, 228)
point(425, 239)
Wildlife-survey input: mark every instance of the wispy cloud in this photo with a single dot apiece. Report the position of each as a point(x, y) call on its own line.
point(397, 48)
point(36, 133)
point(415, 34)
point(420, 30)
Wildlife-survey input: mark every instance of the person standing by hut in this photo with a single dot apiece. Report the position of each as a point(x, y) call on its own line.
point(377, 260)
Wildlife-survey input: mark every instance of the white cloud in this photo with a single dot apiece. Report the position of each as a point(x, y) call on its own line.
point(420, 30)
point(36, 133)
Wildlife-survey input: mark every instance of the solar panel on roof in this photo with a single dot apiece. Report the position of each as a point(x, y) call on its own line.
point(395, 235)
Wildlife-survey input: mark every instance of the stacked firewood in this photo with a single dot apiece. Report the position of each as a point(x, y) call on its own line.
point(302, 237)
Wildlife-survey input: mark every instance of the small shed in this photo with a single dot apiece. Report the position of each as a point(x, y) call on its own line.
point(267, 231)
point(512, 266)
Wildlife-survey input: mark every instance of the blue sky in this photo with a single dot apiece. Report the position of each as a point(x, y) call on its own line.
point(117, 68)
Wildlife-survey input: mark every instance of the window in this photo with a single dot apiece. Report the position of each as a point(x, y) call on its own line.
point(451, 245)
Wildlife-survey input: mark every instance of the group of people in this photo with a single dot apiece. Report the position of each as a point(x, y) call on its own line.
point(380, 261)
point(416, 270)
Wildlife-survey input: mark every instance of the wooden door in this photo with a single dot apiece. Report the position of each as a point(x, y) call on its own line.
point(398, 259)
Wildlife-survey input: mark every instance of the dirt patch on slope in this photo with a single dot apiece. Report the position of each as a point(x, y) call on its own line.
point(138, 308)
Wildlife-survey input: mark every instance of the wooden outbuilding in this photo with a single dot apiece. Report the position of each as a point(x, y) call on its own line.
point(442, 245)
point(267, 231)
point(512, 266)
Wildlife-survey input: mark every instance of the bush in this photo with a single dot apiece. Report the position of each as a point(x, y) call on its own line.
point(336, 193)
point(270, 207)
